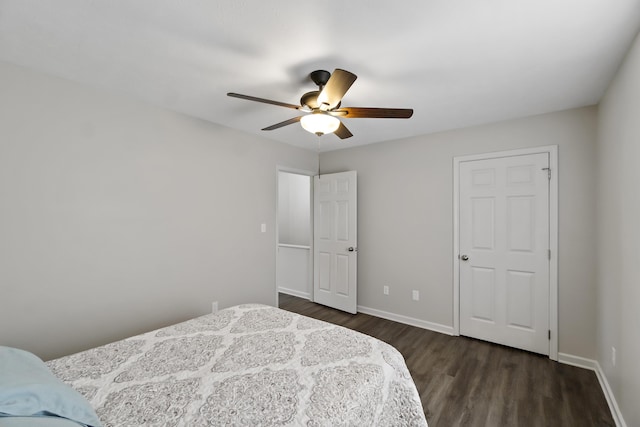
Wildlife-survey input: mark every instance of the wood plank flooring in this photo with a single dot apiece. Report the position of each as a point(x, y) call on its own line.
point(467, 382)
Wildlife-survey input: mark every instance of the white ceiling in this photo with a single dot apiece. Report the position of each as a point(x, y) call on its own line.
point(457, 63)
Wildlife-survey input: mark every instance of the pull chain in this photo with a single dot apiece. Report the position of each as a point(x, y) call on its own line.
point(318, 150)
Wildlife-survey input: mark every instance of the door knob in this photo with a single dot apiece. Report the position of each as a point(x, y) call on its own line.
point(464, 257)
point(352, 249)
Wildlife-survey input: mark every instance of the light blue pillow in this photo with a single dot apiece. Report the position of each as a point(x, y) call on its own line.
point(37, 422)
point(27, 388)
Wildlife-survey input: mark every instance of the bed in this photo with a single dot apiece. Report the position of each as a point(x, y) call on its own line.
point(251, 365)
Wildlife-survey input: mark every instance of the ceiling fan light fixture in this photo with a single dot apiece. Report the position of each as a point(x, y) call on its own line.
point(320, 123)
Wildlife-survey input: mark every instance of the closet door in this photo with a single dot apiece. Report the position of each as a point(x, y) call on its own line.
point(504, 250)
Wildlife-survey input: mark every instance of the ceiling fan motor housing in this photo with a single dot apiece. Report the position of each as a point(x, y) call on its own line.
point(320, 78)
point(310, 99)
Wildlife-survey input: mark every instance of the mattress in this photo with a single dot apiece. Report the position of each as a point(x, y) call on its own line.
point(250, 365)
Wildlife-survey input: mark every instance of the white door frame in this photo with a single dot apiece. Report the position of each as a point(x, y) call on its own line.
point(277, 230)
point(552, 150)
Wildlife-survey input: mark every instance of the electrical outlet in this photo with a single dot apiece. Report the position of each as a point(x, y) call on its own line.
point(416, 295)
point(214, 307)
point(613, 356)
point(263, 228)
point(385, 290)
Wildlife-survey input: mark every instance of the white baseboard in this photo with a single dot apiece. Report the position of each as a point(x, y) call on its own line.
point(580, 362)
point(593, 365)
point(436, 327)
point(295, 293)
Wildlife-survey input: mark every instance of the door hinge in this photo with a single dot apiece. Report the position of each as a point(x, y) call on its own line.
point(549, 254)
point(549, 334)
point(548, 172)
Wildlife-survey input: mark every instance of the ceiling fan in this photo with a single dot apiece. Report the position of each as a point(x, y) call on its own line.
point(323, 106)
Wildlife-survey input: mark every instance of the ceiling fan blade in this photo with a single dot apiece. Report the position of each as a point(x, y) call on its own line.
point(375, 113)
point(342, 132)
point(338, 84)
point(282, 124)
point(266, 101)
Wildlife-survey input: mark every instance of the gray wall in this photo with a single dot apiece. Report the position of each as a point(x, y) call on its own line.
point(405, 217)
point(117, 217)
point(619, 235)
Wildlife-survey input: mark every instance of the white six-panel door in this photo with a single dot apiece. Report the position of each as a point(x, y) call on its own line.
point(335, 241)
point(504, 250)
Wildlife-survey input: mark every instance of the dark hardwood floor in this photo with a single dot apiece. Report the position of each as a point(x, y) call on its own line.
point(467, 382)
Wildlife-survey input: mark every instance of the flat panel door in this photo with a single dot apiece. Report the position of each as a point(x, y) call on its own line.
point(504, 248)
point(335, 241)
